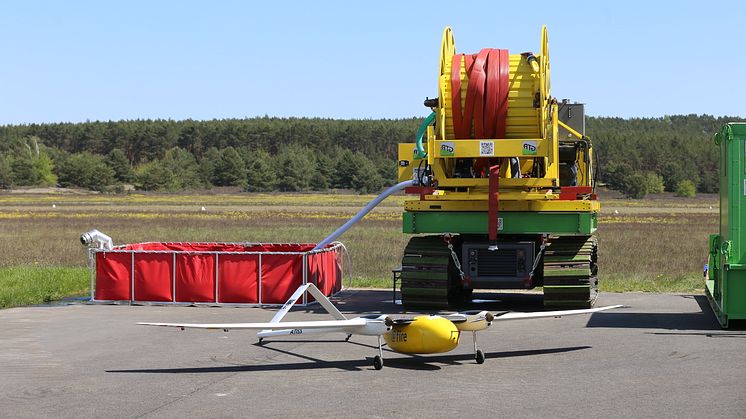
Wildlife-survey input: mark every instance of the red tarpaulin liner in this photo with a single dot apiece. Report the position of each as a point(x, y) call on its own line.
point(239, 278)
point(281, 276)
point(195, 278)
point(113, 276)
point(153, 277)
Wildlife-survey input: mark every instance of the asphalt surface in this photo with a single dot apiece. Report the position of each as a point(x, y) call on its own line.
point(664, 356)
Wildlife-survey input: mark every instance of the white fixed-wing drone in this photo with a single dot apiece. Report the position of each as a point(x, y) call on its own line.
point(422, 334)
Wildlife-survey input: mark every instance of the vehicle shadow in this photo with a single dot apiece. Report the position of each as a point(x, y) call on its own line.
point(415, 362)
point(704, 319)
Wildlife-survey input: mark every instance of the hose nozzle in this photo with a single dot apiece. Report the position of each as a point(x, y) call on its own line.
point(95, 238)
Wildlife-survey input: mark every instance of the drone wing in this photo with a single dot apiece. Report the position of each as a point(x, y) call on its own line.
point(513, 315)
point(341, 325)
point(372, 325)
point(479, 320)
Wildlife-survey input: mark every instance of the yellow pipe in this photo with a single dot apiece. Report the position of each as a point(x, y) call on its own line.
point(572, 131)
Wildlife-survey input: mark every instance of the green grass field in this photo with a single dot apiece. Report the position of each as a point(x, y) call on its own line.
point(25, 285)
point(655, 244)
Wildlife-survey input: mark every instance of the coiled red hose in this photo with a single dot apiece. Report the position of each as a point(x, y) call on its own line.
point(486, 105)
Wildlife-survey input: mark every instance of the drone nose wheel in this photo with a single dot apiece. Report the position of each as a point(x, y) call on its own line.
point(478, 354)
point(377, 362)
point(378, 359)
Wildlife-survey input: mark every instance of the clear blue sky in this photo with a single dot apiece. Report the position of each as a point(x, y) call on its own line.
point(98, 60)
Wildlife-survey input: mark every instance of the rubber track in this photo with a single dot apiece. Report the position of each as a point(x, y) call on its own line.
point(427, 273)
point(571, 272)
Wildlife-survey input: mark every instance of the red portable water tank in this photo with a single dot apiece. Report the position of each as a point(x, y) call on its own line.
point(214, 273)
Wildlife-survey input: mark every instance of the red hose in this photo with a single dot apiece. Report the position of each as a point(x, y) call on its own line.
point(486, 104)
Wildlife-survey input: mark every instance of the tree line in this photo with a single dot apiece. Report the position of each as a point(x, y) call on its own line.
point(648, 155)
point(636, 156)
point(257, 154)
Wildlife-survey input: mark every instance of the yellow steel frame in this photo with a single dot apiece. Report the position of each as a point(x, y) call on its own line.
point(531, 134)
point(505, 205)
point(585, 170)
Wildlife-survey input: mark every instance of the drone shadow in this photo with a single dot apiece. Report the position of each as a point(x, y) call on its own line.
point(414, 362)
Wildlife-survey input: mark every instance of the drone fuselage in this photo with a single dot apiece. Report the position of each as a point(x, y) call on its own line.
point(423, 335)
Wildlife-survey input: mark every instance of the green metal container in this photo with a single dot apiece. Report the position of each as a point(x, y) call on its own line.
point(726, 277)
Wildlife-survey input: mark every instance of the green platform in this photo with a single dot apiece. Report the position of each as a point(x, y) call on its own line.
point(570, 223)
point(726, 286)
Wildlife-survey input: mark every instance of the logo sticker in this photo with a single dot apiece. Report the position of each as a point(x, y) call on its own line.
point(447, 149)
point(529, 148)
point(499, 224)
point(397, 336)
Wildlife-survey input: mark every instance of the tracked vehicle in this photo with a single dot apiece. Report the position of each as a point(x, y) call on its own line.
point(503, 194)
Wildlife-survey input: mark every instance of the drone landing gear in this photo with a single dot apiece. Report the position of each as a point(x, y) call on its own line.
point(378, 359)
point(377, 362)
point(478, 354)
